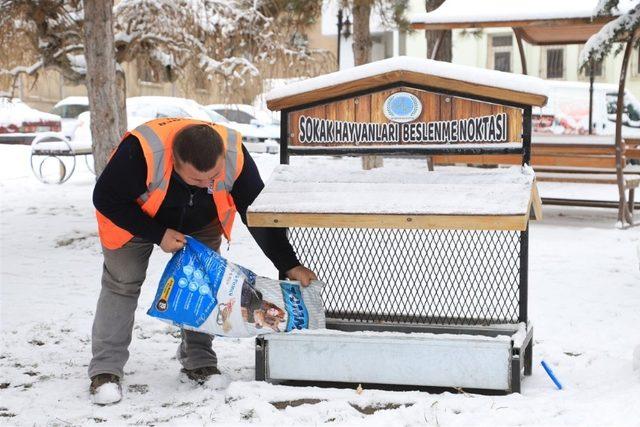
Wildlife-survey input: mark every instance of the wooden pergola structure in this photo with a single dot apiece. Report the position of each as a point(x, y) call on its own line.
point(551, 22)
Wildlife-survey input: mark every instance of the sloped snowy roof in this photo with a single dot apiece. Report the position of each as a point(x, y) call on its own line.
point(295, 190)
point(472, 11)
point(478, 81)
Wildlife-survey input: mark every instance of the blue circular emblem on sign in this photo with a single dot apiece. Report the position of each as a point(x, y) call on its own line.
point(402, 107)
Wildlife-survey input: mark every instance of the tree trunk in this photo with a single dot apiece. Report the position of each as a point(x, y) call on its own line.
point(121, 89)
point(362, 55)
point(108, 115)
point(445, 45)
point(624, 214)
point(361, 32)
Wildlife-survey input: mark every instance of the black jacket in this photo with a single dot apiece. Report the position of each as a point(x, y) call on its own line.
point(185, 208)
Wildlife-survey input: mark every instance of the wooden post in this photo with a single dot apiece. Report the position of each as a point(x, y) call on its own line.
point(623, 209)
point(430, 164)
point(523, 59)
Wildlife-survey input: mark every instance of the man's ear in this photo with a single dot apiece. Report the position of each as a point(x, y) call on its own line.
point(177, 163)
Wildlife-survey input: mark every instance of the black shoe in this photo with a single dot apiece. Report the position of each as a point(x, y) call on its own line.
point(105, 389)
point(201, 375)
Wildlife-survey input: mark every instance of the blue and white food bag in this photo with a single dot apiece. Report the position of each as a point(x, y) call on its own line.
point(201, 291)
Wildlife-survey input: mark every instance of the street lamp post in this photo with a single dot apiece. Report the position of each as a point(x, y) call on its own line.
point(592, 64)
point(339, 35)
point(346, 23)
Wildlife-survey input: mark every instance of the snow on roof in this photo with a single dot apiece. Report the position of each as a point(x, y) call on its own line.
point(300, 189)
point(474, 75)
point(468, 11)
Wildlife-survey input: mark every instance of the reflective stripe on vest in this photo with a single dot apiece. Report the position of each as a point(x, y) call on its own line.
point(156, 173)
point(233, 164)
point(156, 138)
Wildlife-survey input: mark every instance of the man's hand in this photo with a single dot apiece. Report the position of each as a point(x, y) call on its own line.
point(302, 274)
point(172, 241)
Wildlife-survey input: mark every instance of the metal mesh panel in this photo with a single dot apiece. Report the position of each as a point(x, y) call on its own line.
point(415, 276)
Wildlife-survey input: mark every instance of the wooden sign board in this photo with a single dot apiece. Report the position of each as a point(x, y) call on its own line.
point(404, 116)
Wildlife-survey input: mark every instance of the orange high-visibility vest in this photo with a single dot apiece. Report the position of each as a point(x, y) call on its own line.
point(156, 138)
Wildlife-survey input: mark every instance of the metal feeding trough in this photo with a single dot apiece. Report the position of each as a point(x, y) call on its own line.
point(426, 271)
point(464, 359)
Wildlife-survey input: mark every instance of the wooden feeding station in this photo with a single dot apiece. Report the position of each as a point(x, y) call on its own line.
point(425, 271)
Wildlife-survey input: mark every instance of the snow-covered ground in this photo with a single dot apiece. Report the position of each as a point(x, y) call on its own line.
point(584, 304)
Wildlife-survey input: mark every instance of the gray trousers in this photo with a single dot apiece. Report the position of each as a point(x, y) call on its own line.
point(123, 272)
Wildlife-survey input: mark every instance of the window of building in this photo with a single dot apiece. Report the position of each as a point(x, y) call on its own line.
point(598, 70)
point(501, 52)
point(554, 63)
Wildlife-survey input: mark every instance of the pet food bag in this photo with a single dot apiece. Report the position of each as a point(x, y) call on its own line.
point(201, 291)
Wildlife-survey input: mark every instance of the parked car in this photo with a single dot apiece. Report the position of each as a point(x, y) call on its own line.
point(258, 130)
point(567, 110)
point(144, 108)
point(69, 109)
point(19, 123)
point(141, 109)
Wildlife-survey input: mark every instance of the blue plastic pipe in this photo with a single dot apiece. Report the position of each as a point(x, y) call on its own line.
point(551, 375)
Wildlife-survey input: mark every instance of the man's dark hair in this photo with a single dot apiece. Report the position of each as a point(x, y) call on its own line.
point(198, 145)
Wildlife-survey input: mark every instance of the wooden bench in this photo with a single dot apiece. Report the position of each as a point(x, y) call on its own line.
point(632, 152)
point(588, 163)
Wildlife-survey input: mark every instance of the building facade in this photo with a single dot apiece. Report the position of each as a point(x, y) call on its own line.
point(493, 48)
point(496, 48)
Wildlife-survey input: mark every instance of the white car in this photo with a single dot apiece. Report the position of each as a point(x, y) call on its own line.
point(259, 131)
point(69, 109)
point(141, 109)
point(145, 108)
point(567, 110)
point(19, 123)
